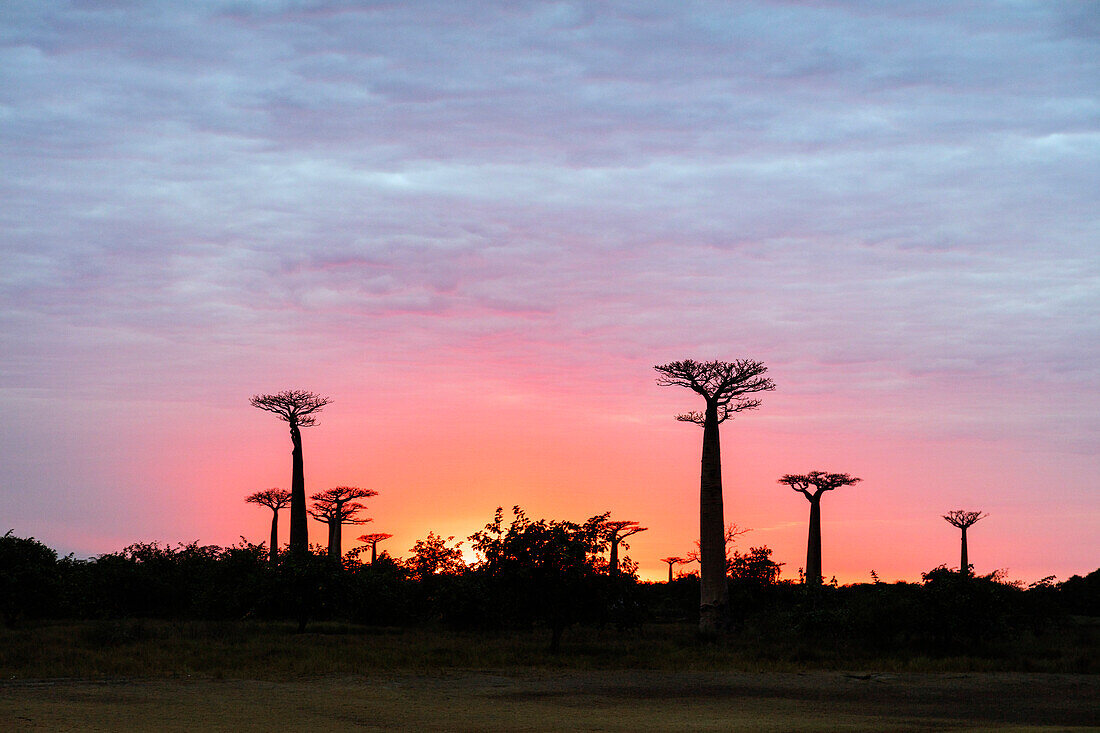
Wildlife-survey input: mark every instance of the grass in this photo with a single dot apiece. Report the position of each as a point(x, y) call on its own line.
point(272, 651)
point(183, 676)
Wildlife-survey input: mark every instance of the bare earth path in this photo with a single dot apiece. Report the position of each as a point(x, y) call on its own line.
point(630, 700)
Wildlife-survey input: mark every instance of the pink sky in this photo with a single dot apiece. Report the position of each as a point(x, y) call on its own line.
point(478, 232)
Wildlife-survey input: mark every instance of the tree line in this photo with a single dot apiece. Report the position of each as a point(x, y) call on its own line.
point(537, 575)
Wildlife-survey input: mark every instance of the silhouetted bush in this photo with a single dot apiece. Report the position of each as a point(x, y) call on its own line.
point(1081, 596)
point(29, 579)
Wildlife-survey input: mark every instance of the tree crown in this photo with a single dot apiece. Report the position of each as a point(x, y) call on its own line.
point(374, 537)
point(295, 406)
point(819, 480)
point(337, 505)
point(723, 384)
point(963, 519)
point(274, 499)
point(618, 531)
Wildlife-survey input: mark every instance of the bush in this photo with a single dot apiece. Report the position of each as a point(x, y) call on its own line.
point(29, 579)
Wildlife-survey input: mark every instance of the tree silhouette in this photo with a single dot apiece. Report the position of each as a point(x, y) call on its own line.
point(616, 533)
point(373, 540)
point(431, 556)
point(337, 507)
point(820, 482)
point(723, 385)
point(963, 520)
point(298, 408)
point(674, 561)
point(273, 499)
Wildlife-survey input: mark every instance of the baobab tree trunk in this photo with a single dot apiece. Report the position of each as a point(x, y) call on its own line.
point(299, 530)
point(373, 552)
point(670, 572)
point(273, 552)
point(964, 562)
point(613, 563)
point(713, 590)
point(335, 541)
point(813, 544)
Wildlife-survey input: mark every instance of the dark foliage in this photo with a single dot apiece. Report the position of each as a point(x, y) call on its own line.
point(535, 574)
point(28, 578)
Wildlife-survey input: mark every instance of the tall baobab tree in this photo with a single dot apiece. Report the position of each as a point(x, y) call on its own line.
point(616, 533)
point(337, 507)
point(273, 499)
point(373, 539)
point(820, 482)
point(673, 561)
point(724, 386)
point(299, 408)
point(963, 520)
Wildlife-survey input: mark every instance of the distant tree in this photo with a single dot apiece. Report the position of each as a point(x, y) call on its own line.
point(298, 408)
point(373, 540)
point(273, 499)
point(337, 507)
point(820, 482)
point(963, 520)
point(724, 386)
point(617, 532)
point(673, 561)
point(431, 556)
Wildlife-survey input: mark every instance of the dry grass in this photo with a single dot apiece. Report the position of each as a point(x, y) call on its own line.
point(271, 651)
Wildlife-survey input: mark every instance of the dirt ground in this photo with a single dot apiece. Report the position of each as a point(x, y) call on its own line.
point(632, 700)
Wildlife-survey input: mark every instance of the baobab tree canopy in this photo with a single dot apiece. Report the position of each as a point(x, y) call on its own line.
point(296, 406)
point(271, 498)
point(963, 519)
point(819, 481)
point(723, 383)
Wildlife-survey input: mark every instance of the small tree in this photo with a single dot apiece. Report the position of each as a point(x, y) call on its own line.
point(431, 556)
point(617, 532)
point(299, 409)
point(963, 520)
point(337, 507)
point(545, 570)
point(673, 561)
point(723, 386)
point(273, 499)
point(373, 539)
point(820, 482)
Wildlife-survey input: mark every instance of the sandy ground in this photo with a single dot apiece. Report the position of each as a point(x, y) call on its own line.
point(631, 700)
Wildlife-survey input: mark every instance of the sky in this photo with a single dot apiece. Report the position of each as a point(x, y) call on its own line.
point(477, 226)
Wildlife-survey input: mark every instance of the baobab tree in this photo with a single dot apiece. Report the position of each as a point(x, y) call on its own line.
point(299, 408)
point(674, 561)
point(616, 533)
point(273, 499)
point(963, 520)
point(337, 507)
point(820, 482)
point(724, 386)
point(373, 540)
